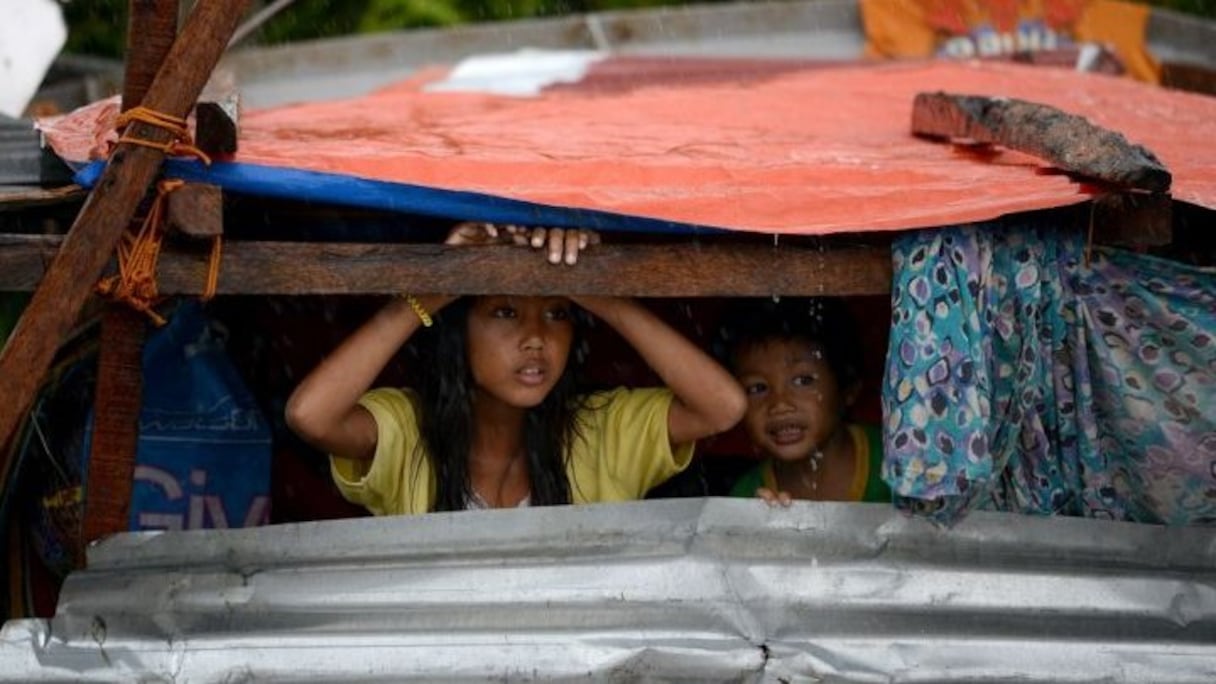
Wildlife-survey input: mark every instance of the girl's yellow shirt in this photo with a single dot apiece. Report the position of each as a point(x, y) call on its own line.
point(621, 452)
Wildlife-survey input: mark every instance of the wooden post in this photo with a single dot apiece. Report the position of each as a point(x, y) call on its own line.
point(90, 242)
point(151, 28)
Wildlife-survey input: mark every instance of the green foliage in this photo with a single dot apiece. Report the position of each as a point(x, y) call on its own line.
point(99, 27)
point(308, 19)
point(1204, 8)
point(96, 27)
point(386, 15)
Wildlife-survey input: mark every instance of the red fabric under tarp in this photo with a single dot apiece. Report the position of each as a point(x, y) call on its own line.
point(810, 151)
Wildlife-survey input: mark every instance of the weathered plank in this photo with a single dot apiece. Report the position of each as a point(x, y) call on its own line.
point(1196, 78)
point(643, 270)
point(197, 210)
point(151, 28)
point(28, 198)
point(1067, 141)
point(24, 260)
point(107, 211)
point(116, 403)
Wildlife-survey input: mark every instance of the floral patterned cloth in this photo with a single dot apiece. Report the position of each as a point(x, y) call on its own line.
point(1019, 378)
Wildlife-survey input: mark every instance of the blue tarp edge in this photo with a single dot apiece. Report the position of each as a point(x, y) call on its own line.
point(332, 188)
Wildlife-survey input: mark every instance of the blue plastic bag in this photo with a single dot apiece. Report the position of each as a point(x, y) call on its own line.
point(204, 453)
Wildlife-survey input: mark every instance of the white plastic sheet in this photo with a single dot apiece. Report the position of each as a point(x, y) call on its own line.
point(32, 33)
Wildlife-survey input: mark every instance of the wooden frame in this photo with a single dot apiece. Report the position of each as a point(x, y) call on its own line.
point(170, 86)
point(168, 76)
point(646, 270)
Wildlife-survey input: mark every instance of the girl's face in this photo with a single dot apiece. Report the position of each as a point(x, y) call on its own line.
point(518, 346)
point(794, 403)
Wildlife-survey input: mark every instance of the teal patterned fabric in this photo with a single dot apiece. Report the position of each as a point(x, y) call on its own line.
point(1019, 378)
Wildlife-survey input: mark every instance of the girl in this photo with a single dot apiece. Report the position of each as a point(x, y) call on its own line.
point(495, 421)
point(797, 362)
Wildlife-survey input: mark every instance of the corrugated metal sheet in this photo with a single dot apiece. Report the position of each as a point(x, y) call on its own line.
point(345, 67)
point(1177, 37)
point(23, 161)
point(680, 590)
point(800, 29)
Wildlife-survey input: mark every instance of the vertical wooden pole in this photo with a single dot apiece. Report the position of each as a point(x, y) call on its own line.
point(151, 28)
point(69, 279)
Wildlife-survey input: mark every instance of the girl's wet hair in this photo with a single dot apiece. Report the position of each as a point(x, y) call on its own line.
point(820, 321)
point(445, 415)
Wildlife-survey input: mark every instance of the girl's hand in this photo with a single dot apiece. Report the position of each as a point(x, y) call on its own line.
point(774, 499)
point(560, 244)
point(470, 233)
point(563, 244)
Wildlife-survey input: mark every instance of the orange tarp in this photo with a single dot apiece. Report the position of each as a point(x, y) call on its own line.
point(807, 151)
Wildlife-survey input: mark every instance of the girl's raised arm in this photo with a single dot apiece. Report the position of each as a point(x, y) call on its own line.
point(323, 408)
point(707, 399)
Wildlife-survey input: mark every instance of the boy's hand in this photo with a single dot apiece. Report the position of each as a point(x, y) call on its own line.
point(778, 498)
point(560, 244)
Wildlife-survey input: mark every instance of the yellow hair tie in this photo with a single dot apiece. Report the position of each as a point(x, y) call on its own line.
point(419, 310)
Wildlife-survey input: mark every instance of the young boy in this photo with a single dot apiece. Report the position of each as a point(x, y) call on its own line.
point(797, 362)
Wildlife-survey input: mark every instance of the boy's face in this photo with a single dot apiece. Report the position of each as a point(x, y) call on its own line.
point(794, 403)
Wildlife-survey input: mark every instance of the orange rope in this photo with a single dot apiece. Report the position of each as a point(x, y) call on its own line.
point(139, 251)
point(135, 283)
point(179, 144)
point(213, 268)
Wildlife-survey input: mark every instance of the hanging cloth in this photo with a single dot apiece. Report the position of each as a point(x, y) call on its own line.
point(1021, 378)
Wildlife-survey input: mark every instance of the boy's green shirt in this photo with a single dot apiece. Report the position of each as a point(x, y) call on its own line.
point(868, 440)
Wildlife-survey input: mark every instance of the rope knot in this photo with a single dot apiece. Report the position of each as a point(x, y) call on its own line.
point(180, 143)
point(138, 253)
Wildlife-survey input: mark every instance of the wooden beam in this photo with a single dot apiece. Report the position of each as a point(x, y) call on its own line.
point(1196, 78)
point(107, 211)
point(25, 259)
point(116, 402)
point(39, 197)
point(151, 28)
point(669, 270)
point(1065, 140)
point(196, 210)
